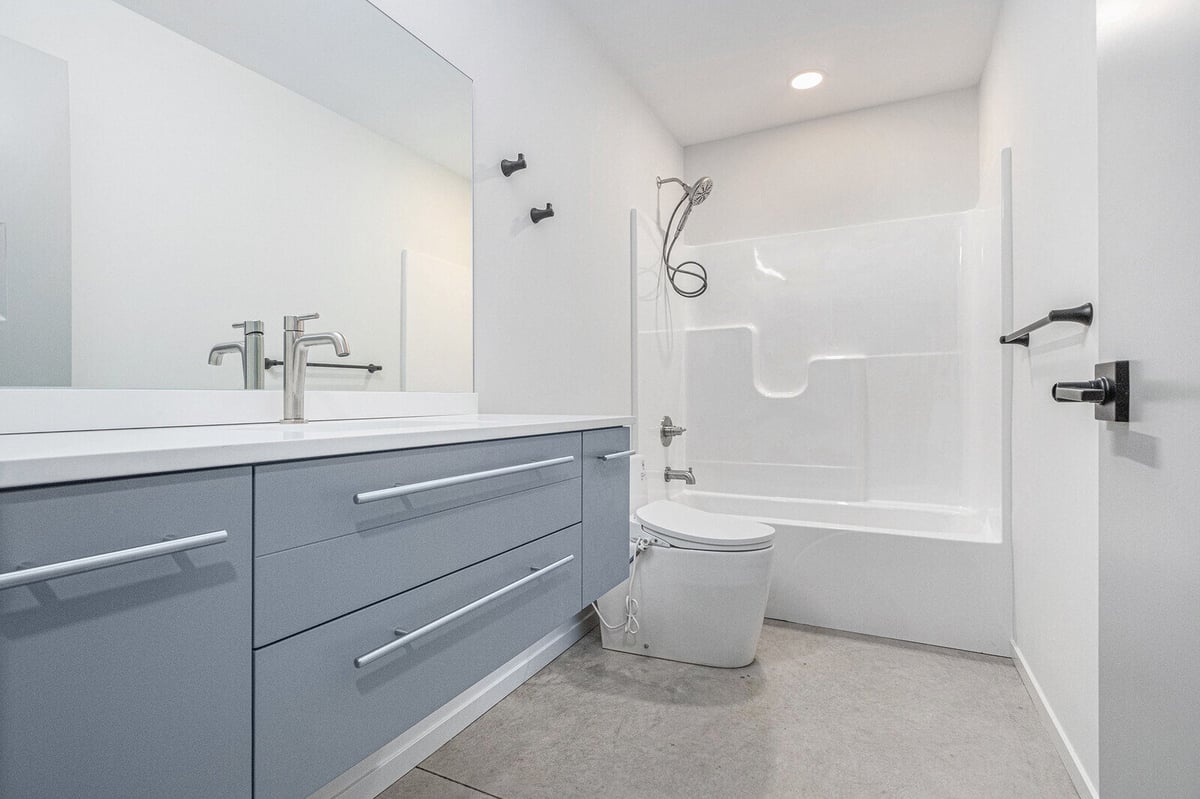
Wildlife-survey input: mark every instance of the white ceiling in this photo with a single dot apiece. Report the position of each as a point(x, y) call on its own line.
point(716, 68)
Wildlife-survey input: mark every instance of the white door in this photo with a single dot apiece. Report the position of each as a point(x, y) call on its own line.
point(1149, 313)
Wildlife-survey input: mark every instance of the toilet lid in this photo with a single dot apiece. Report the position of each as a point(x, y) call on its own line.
point(689, 525)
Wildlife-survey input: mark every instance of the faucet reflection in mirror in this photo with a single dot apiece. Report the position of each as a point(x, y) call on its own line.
point(251, 351)
point(296, 344)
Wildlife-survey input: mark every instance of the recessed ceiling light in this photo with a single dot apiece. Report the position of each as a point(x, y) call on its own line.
point(807, 80)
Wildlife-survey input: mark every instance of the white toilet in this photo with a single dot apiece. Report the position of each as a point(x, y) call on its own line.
point(699, 587)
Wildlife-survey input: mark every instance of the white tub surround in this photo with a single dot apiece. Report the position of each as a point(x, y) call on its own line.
point(43, 458)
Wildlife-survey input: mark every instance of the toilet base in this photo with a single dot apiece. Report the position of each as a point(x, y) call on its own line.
point(694, 606)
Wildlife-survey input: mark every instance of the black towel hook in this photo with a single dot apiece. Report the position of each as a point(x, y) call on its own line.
point(538, 214)
point(508, 167)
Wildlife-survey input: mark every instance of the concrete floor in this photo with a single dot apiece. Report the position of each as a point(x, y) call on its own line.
point(818, 714)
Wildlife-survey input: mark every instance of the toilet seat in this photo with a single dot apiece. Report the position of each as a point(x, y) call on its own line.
point(689, 528)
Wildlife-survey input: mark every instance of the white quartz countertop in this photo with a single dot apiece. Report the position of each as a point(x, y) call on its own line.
point(43, 458)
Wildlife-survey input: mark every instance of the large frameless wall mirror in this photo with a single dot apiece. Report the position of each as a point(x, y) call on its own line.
point(169, 168)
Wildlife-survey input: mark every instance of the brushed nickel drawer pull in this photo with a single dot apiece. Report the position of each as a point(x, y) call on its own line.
point(38, 574)
point(413, 488)
point(408, 638)
point(618, 455)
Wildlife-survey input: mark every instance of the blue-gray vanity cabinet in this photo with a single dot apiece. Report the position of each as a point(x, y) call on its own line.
point(132, 679)
point(605, 510)
point(319, 708)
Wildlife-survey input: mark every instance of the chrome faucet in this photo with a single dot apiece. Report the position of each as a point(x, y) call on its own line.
point(296, 344)
point(670, 474)
point(250, 348)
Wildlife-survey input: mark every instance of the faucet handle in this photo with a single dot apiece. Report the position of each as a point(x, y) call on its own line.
point(296, 323)
point(250, 326)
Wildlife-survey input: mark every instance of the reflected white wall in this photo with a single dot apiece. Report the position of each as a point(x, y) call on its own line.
point(35, 218)
point(204, 194)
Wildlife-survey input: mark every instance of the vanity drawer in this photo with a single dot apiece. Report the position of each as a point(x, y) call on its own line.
point(303, 502)
point(316, 713)
point(304, 586)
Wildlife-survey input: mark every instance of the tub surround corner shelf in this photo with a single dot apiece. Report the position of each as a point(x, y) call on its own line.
point(315, 628)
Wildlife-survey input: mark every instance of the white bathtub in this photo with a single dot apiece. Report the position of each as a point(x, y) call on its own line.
point(929, 573)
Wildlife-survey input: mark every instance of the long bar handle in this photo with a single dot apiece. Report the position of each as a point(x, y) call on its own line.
point(618, 455)
point(38, 574)
point(408, 638)
point(412, 488)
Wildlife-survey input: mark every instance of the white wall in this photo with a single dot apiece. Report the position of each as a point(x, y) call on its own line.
point(552, 309)
point(35, 218)
point(906, 159)
point(1039, 95)
point(204, 194)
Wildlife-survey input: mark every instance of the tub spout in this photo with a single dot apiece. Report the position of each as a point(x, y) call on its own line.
point(670, 474)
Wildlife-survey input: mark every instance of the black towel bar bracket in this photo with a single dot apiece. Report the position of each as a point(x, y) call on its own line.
point(1080, 315)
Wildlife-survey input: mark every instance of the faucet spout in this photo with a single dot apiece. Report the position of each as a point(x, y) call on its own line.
point(219, 351)
point(332, 338)
point(295, 363)
point(687, 477)
point(250, 348)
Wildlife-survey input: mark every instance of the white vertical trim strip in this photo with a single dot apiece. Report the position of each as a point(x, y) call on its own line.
point(403, 319)
point(633, 323)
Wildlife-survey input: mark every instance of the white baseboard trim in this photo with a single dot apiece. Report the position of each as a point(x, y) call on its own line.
point(374, 774)
point(1079, 776)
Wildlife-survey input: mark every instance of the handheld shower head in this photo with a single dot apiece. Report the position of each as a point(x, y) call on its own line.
point(700, 190)
point(697, 192)
point(693, 195)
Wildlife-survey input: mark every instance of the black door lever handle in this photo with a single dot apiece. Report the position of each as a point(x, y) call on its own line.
point(1098, 391)
point(1108, 391)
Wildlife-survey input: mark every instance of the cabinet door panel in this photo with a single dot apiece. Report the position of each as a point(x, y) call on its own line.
point(605, 511)
point(133, 679)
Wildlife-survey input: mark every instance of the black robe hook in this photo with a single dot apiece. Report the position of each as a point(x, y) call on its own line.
point(538, 214)
point(508, 167)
